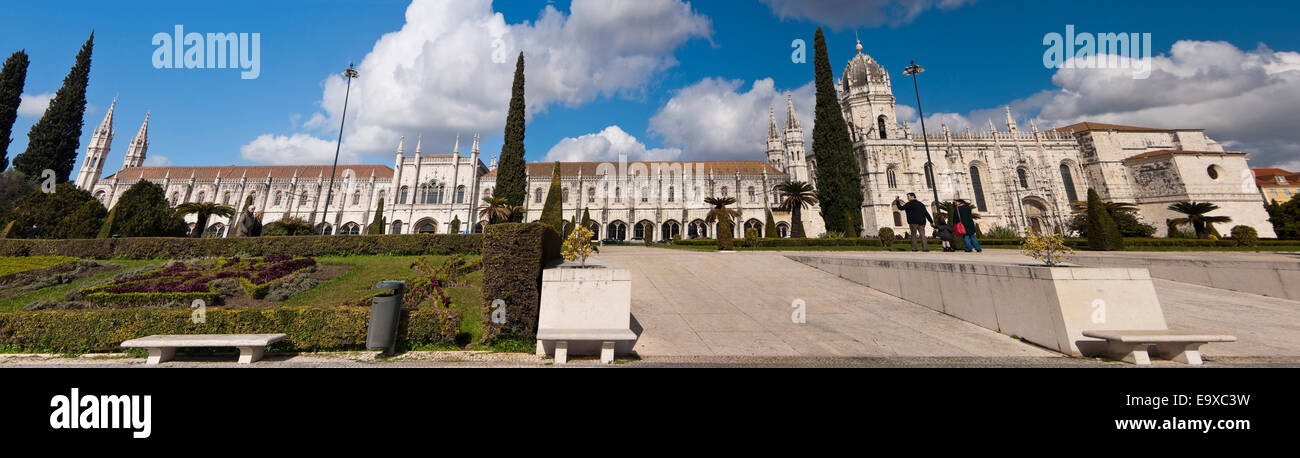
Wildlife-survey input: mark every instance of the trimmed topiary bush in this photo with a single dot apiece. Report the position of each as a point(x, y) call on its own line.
point(886, 237)
point(1245, 235)
point(1103, 233)
point(513, 257)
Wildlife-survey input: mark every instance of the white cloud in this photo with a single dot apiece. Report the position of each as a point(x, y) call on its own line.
point(157, 160)
point(712, 120)
point(34, 105)
point(295, 149)
point(606, 146)
point(841, 14)
point(449, 69)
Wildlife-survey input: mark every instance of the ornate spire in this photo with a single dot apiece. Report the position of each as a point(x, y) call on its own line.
point(474, 149)
point(135, 152)
point(791, 120)
point(1011, 122)
point(771, 124)
point(107, 124)
point(401, 145)
point(992, 129)
point(419, 140)
point(455, 149)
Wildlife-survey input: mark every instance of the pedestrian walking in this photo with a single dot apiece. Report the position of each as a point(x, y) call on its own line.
point(964, 227)
point(917, 217)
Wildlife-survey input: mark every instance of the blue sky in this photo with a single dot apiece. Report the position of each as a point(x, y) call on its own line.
point(672, 80)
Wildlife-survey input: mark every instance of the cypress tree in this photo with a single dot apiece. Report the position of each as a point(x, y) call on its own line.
point(377, 224)
point(53, 141)
point(511, 173)
point(455, 225)
point(106, 229)
point(1103, 233)
point(769, 228)
point(55, 214)
point(12, 78)
point(553, 209)
point(586, 219)
point(838, 181)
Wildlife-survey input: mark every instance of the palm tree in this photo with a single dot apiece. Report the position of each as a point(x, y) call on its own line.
point(1195, 212)
point(798, 195)
point(1080, 207)
point(517, 212)
point(723, 216)
point(947, 209)
point(204, 210)
point(290, 226)
point(494, 209)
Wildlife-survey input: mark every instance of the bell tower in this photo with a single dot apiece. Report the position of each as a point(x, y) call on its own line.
point(100, 142)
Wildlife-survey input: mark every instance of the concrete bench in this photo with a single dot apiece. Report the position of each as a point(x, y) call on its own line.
point(607, 338)
point(1133, 346)
point(163, 347)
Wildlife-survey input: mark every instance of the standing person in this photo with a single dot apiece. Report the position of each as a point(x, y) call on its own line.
point(917, 217)
point(968, 222)
point(944, 232)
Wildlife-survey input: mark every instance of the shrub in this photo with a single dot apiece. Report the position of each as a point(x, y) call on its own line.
point(1001, 232)
point(143, 211)
point(289, 288)
point(725, 240)
point(1103, 233)
point(577, 246)
point(69, 212)
point(184, 248)
point(1048, 249)
point(886, 237)
point(831, 235)
point(513, 257)
point(1245, 235)
point(307, 328)
point(751, 237)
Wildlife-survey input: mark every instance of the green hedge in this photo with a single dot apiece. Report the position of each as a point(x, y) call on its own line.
point(513, 257)
point(307, 328)
point(1076, 243)
point(310, 245)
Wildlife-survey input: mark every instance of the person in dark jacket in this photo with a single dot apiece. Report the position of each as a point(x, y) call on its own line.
point(966, 219)
point(944, 232)
point(917, 217)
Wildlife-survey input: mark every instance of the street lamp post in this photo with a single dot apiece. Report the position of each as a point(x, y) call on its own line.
point(912, 70)
point(350, 73)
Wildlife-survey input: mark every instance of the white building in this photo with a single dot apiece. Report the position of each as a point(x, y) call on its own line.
point(1014, 178)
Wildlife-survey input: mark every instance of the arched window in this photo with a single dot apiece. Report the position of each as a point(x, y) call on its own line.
point(753, 197)
point(1068, 181)
point(302, 200)
point(898, 219)
point(397, 227)
point(591, 195)
point(100, 197)
point(890, 178)
point(670, 193)
point(564, 195)
point(537, 196)
point(200, 200)
point(880, 122)
point(487, 192)
point(176, 197)
point(618, 194)
point(225, 198)
point(724, 191)
point(356, 197)
point(278, 197)
point(929, 175)
point(350, 228)
point(442, 194)
point(402, 194)
point(645, 194)
point(1024, 178)
point(978, 186)
point(460, 194)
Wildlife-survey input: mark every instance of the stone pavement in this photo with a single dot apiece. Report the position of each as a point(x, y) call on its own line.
point(700, 303)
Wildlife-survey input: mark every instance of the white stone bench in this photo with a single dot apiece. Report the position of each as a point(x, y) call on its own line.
point(1181, 346)
point(607, 338)
point(163, 347)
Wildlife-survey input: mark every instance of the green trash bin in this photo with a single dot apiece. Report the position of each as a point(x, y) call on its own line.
point(385, 313)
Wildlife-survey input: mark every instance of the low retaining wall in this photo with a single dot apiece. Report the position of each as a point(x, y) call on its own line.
point(1049, 306)
point(1267, 278)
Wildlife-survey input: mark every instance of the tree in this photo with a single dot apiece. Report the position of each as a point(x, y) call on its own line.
point(143, 211)
point(839, 187)
point(586, 218)
point(769, 226)
point(795, 196)
point(378, 224)
point(53, 141)
point(203, 210)
point(12, 78)
point(1195, 212)
point(1103, 234)
point(1081, 207)
point(13, 186)
point(553, 209)
point(577, 246)
point(1285, 218)
point(84, 223)
point(50, 215)
point(511, 173)
point(455, 225)
point(290, 226)
point(1128, 223)
point(723, 216)
point(106, 229)
point(494, 210)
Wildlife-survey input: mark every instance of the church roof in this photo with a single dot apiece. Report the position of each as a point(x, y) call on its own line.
point(1171, 152)
point(361, 171)
point(1089, 126)
point(589, 168)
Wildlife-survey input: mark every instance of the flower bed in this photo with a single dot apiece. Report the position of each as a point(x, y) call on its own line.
point(187, 282)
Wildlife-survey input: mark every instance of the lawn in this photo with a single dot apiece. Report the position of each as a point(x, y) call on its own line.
point(55, 293)
point(13, 265)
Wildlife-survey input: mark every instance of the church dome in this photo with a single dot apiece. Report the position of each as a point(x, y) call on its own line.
point(861, 70)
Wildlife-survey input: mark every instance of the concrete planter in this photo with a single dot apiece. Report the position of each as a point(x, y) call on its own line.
point(1049, 306)
point(595, 298)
